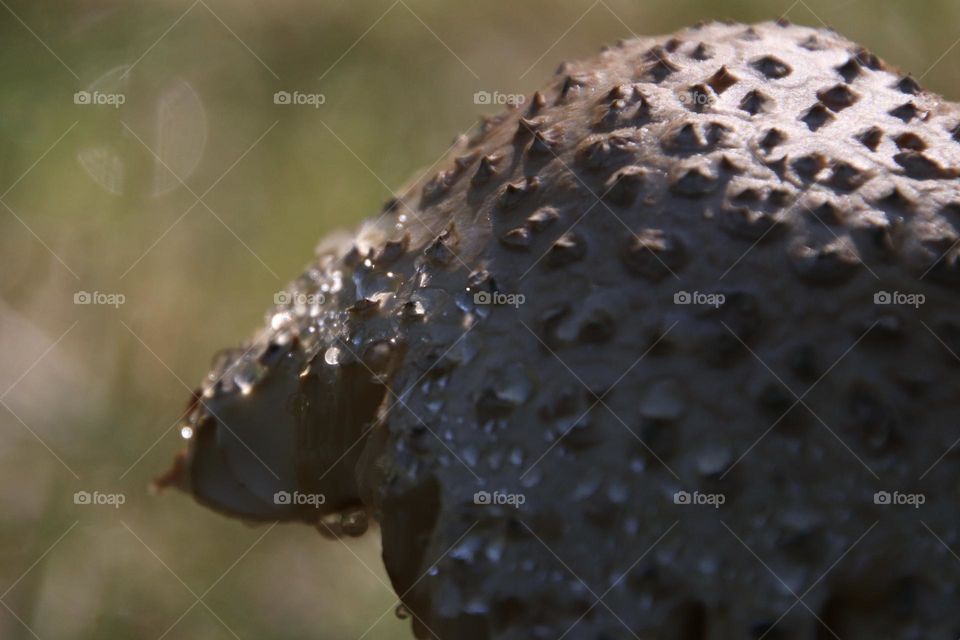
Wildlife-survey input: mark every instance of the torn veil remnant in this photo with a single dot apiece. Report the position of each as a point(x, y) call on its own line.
point(657, 354)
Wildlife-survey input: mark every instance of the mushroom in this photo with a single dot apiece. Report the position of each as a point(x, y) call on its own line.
point(667, 354)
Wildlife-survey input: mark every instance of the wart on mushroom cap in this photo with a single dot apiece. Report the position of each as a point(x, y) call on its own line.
point(809, 177)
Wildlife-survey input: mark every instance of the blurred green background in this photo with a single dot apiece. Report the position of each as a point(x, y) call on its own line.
point(90, 202)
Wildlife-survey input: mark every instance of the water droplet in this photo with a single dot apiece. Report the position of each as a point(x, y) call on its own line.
point(336, 282)
point(476, 606)
point(186, 432)
point(586, 488)
point(401, 612)
point(332, 356)
point(280, 320)
point(464, 301)
point(514, 386)
point(246, 374)
point(618, 492)
point(494, 550)
point(532, 478)
point(714, 462)
point(355, 522)
point(662, 401)
point(511, 388)
point(708, 565)
point(467, 550)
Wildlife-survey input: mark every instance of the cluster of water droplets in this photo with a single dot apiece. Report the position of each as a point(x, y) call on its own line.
point(306, 312)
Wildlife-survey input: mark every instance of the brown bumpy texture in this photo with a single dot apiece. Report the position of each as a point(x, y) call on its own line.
point(687, 244)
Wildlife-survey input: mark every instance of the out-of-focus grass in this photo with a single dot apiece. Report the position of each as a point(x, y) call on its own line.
point(91, 393)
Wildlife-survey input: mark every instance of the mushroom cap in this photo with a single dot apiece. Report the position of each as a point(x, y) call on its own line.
point(658, 353)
